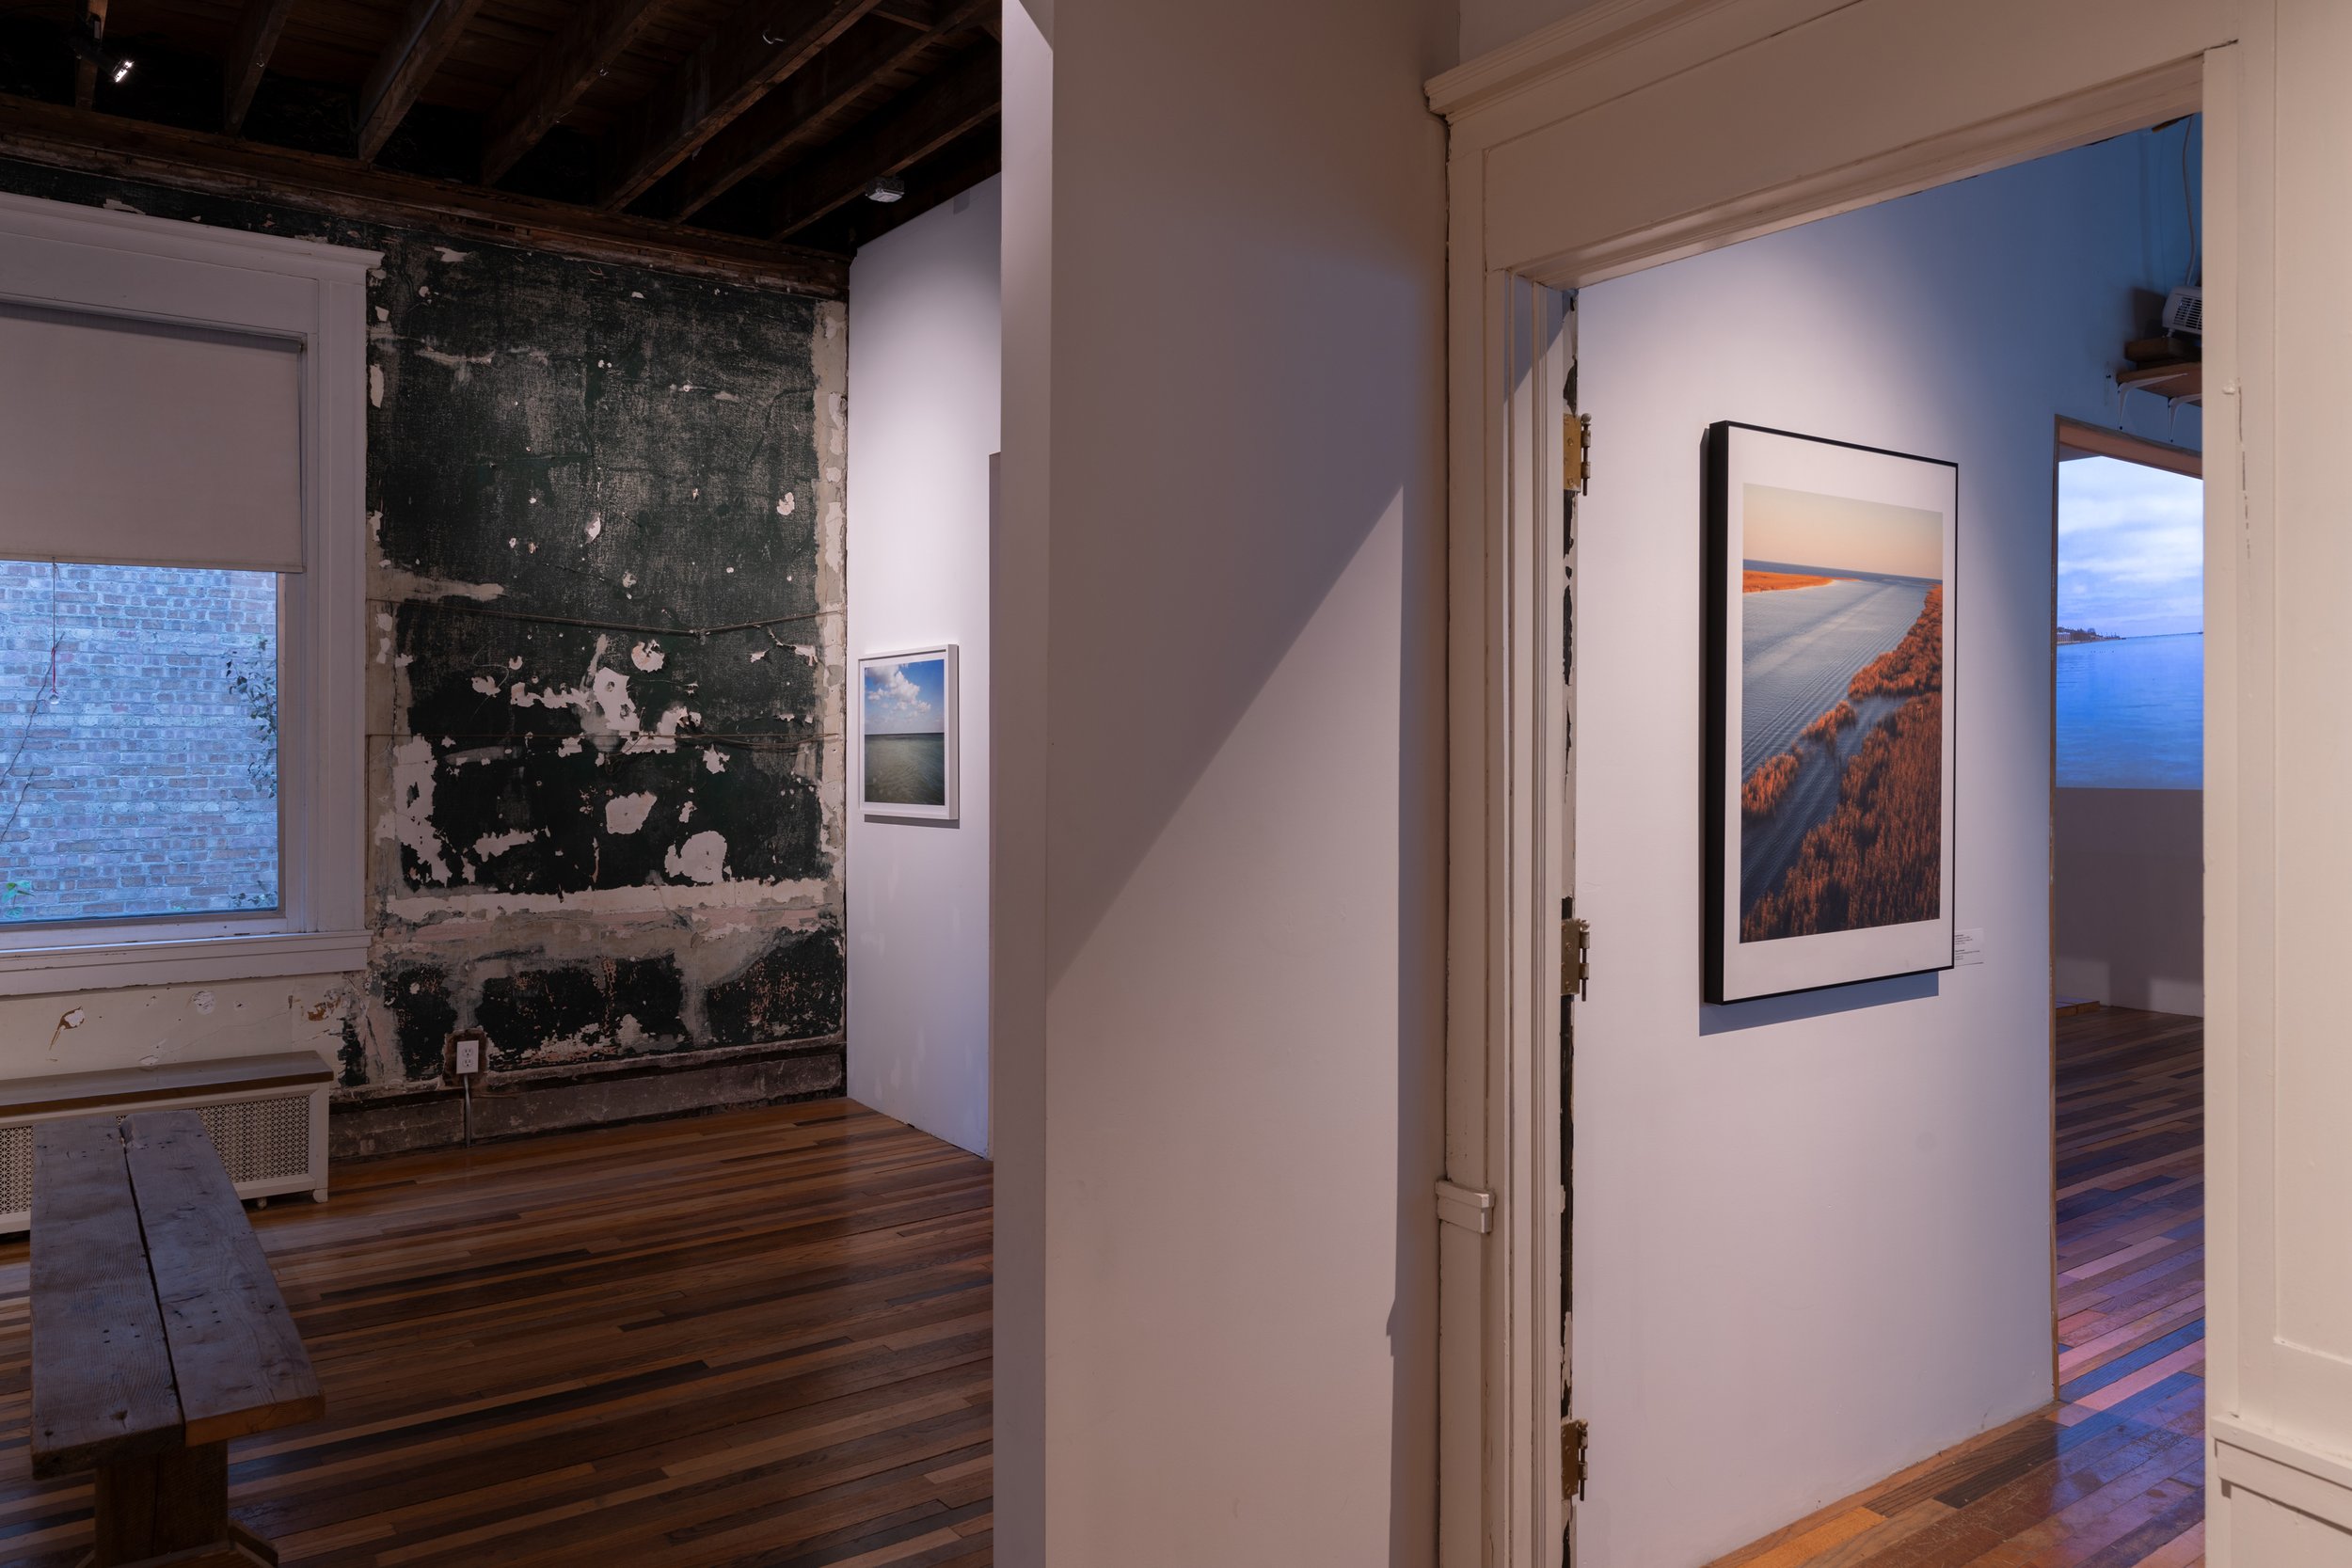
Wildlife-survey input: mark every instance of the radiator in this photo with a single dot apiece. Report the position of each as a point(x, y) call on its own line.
point(273, 1142)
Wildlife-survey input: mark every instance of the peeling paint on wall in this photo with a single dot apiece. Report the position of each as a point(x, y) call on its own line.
point(606, 824)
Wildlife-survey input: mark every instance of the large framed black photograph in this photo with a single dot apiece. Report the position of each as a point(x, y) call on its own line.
point(1828, 616)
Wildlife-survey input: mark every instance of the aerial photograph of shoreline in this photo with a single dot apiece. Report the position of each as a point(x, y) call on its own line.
point(1841, 741)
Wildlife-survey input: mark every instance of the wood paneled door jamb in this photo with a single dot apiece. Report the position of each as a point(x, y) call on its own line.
point(1632, 133)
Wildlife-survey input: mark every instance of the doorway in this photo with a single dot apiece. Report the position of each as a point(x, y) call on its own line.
point(2128, 956)
point(1862, 1168)
point(2128, 721)
point(1619, 141)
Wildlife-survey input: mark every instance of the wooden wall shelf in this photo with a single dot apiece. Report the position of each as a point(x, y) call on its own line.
point(2183, 382)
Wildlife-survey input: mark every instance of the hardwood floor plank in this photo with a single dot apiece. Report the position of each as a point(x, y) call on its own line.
point(761, 1336)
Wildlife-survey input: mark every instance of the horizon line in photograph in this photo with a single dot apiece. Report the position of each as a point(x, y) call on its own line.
point(1828, 574)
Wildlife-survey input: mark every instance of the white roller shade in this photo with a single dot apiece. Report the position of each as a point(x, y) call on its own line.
point(132, 444)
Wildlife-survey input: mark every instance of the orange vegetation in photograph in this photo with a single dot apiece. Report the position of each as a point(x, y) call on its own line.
point(1764, 582)
point(1913, 666)
point(1878, 859)
point(1761, 792)
point(1825, 728)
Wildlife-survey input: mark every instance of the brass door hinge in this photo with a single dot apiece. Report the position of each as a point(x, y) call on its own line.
point(1576, 453)
point(1572, 1439)
point(1576, 958)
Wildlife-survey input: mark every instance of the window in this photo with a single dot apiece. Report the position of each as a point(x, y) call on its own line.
point(138, 743)
point(2131, 620)
point(181, 425)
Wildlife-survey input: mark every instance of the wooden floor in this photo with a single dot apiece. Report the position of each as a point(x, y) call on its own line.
point(2113, 1474)
point(752, 1338)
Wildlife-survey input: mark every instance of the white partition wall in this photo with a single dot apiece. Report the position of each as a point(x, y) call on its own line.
point(2131, 887)
point(1216, 1251)
point(925, 382)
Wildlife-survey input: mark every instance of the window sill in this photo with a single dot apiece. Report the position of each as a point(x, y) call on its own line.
point(41, 972)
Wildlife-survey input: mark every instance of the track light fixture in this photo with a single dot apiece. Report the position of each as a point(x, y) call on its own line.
point(116, 66)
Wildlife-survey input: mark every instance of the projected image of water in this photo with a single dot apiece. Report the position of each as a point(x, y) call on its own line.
point(2131, 713)
point(2131, 612)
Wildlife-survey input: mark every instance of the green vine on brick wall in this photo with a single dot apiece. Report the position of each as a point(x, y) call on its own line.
point(256, 683)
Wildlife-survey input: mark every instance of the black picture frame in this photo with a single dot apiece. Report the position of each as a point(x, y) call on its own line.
point(1833, 882)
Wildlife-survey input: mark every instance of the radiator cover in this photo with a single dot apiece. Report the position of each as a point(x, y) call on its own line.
point(273, 1142)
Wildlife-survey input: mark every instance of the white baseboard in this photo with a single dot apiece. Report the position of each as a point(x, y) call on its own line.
point(2276, 1503)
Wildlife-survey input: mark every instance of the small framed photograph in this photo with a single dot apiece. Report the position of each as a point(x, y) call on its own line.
point(1829, 614)
point(907, 735)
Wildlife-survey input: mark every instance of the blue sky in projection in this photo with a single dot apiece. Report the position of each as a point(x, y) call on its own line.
point(2131, 564)
point(2131, 550)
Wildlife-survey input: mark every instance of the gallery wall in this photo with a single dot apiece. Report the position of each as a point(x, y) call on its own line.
point(925, 381)
point(1825, 1220)
point(1220, 1253)
point(604, 786)
point(2131, 873)
point(1488, 24)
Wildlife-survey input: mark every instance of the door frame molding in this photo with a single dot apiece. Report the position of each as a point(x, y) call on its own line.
point(1648, 106)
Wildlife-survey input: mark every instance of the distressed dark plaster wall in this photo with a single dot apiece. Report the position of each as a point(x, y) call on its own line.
point(606, 673)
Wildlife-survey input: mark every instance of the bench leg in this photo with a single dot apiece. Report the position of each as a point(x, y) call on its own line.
point(171, 1510)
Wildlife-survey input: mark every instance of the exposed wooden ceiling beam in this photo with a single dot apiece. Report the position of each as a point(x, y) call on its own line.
point(426, 34)
point(932, 114)
point(793, 111)
point(125, 149)
point(760, 45)
point(92, 21)
point(595, 36)
point(249, 56)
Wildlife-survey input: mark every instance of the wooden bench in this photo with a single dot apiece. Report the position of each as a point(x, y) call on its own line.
point(158, 1335)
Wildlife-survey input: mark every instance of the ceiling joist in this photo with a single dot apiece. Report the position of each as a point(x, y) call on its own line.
point(258, 32)
point(799, 110)
point(597, 35)
point(93, 15)
point(427, 34)
point(959, 100)
point(771, 122)
point(123, 148)
point(758, 46)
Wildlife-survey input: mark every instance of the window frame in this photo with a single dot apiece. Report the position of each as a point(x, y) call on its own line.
point(99, 261)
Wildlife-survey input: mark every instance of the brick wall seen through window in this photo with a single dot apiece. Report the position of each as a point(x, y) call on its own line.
point(139, 742)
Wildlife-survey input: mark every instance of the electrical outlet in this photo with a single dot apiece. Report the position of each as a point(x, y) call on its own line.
point(461, 1053)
